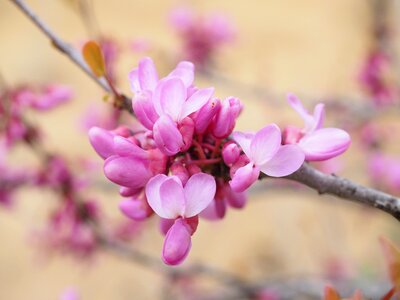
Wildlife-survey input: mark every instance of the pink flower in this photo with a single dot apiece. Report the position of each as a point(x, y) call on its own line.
point(170, 200)
point(317, 143)
point(266, 154)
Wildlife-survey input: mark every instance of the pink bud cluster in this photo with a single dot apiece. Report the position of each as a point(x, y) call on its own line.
point(188, 163)
point(201, 35)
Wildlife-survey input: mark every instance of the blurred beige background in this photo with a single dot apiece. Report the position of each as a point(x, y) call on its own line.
point(309, 47)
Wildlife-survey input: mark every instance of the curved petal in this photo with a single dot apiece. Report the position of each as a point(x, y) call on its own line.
point(196, 101)
point(287, 160)
point(153, 194)
point(147, 74)
point(124, 147)
point(167, 136)
point(244, 177)
point(127, 171)
point(199, 192)
point(265, 144)
point(145, 112)
point(102, 141)
point(325, 143)
point(244, 141)
point(185, 71)
point(133, 78)
point(296, 104)
point(177, 243)
point(135, 209)
point(319, 116)
point(172, 97)
point(172, 198)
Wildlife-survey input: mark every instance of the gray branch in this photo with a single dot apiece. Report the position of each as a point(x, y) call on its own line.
point(346, 189)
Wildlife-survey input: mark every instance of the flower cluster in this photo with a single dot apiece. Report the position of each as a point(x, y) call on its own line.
point(201, 35)
point(187, 162)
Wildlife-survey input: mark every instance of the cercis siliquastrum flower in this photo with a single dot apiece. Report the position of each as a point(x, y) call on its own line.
point(186, 162)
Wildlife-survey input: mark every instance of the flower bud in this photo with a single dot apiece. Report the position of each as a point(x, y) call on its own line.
point(205, 115)
point(177, 243)
point(186, 128)
point(230, 153)
point(225, 119)
point(167, 136)
point(102, 141)
point(136, 208)
point(180, 171)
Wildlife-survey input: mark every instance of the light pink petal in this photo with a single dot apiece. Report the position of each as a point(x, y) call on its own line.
point(145, 112)
point(295, 102)
point(177, 243)
point(153, 194)
point(215, 211)
point(184, 71)
point(147, 74)
point(236, 200)
point(167, 136)
point(133, 77)
point(319, 116)
point(135, 209)
point(287, 160)
point(199, 192)
point(244, 141)
point(265, 144)
point(125, 147)
point(172, 97)
point(196, 101)
point(172, 198)
point(325, 143)
point(244, 177)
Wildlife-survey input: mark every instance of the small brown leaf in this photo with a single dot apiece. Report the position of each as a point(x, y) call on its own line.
point(331, 294)
point(392, 257)
point(94, 58)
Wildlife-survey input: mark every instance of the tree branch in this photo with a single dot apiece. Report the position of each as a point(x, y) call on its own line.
point(346, 189)
point(73, 54)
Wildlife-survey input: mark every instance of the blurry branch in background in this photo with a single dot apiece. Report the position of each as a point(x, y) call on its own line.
point(73, 54)
point(334, 185)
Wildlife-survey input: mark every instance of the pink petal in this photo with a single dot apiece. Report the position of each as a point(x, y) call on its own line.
point(135, 209)
point(133, 78)
point(319, 115)
point(265, 144)
point(236, 200)
point(177, 243)
point(145, 112)
point(153, 194)
point(172, 198)
point(147, 74)
point(295, 102)
point(165, 225)
point(196, 101)
point(325, 143)
point(102, 141)
point(125, 147)
point(172, 97)
point(199, 192)
point(184, 71)
point(215, 211)
point(244, 141)
point(244, 177)
point(287, 160)
point(127, 171)
point(167, 136)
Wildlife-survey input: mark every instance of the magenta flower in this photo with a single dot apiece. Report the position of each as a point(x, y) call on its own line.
point(170, 200)
point(317, 143)
point(265, 153)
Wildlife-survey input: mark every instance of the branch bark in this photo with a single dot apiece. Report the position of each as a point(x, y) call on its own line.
point(346, 189)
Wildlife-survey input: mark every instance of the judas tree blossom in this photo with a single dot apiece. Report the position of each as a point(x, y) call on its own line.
point(264, 152)
point(186, 162)
point(201, 36)
point(170, 200)
point(317, 143)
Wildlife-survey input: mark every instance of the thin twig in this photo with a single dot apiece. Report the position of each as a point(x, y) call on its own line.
point(73, 54)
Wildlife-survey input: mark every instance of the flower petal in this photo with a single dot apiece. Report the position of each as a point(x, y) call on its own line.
point(287, 160)
point(199, 192)
point(295, 102)
point(265, 144)
point(244, 177)
point(125, 147)
point(196, 101)
point(102, 141)
point(153, 194)
point(147, 74)
point(172, 197)
point(135, 209)
point(133, 78)
point(185, 71)
point(319, 116)
point(244, 140)
point(325, 143)
point(172, 97)
point(177, 243)
point(167, 136)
